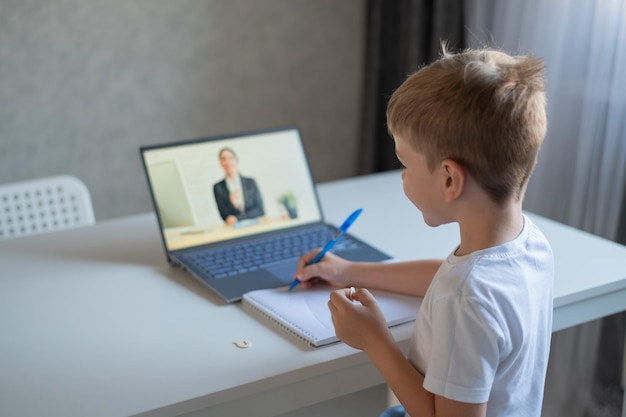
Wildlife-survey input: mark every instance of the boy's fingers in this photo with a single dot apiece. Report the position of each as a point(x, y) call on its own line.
point(303, 266)
point(350, 293)
point(339, 297)
point(307, 272)
point(364, 297)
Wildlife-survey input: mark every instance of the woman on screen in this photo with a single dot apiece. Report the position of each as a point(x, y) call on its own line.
point(237, 197)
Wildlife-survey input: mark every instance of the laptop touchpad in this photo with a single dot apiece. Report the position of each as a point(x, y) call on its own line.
point(284, 270)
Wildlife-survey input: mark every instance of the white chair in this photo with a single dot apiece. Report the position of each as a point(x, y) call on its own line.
point(44, 205)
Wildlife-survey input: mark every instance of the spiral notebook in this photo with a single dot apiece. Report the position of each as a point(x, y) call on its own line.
point(305, 314)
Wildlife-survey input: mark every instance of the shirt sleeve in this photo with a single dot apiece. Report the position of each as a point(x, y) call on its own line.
point(465, 351)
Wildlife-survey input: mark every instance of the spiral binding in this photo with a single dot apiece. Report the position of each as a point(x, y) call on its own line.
point(290, 327)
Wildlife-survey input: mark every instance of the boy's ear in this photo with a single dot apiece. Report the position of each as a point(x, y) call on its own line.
point(453, 176)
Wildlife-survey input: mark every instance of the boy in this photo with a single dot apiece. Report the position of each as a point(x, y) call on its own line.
point(467, 131)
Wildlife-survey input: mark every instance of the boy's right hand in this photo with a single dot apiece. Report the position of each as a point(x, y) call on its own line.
point(331, 269)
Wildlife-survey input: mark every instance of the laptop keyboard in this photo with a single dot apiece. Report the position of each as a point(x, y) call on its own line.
point(242, 258)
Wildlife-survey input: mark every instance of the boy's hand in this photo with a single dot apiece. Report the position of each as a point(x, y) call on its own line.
point(330, 270)
point(359, 324)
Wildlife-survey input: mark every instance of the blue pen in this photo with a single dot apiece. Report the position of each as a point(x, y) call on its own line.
point(342, 230)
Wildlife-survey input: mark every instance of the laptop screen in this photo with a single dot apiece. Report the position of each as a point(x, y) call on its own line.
point(217, 189)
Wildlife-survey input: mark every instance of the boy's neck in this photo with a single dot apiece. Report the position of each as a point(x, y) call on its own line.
point(485, 225)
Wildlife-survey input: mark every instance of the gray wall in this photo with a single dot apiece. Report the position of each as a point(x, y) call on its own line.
point(84, 83)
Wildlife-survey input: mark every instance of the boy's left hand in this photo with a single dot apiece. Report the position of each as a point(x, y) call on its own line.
point(357, 324)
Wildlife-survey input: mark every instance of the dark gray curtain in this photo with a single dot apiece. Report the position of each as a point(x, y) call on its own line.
point(621, 229)
point(608, 394)
point(402, 35)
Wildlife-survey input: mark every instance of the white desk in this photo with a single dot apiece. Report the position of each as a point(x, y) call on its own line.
point(93, 321)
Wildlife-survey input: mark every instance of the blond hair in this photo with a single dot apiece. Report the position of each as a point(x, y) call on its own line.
point(481, 108)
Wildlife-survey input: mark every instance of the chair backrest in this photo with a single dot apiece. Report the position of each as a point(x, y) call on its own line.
point(44, 205)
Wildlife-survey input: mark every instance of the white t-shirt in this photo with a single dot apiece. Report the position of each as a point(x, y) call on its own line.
point(483, 331)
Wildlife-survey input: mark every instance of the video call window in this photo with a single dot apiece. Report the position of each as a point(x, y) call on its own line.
point(219, 189)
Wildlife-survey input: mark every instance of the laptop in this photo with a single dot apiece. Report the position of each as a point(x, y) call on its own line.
point(237, 211)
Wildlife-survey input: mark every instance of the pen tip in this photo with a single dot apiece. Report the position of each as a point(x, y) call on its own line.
point(295, 282)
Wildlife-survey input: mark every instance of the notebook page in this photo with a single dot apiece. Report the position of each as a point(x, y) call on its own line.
point(305, 314)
